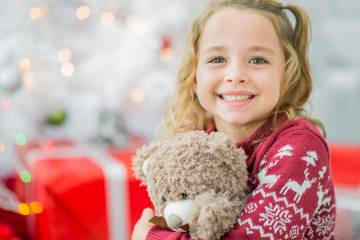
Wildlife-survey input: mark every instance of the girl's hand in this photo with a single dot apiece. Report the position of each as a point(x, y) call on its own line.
point(143, 226)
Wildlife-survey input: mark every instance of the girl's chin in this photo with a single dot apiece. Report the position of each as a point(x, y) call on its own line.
point(235, 120)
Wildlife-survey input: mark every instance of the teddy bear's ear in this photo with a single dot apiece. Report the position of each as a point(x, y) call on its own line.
point(145, 167)
point(141, 160)
point(225, 149)
point(220, 140)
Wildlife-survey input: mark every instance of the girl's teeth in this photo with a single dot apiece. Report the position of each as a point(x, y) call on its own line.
point(231, 98)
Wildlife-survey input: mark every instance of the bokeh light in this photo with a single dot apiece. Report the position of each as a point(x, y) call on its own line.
point(24, 65)
point(134, 23)
point(167, 53)
point(107, 18)
point(21, 139)
point(28, 80)
point(25, 176)
point(5, 104)
point(2, 147)
point(64, 55)
point(83, 12)
point(36, 207)
point(35, 13)
point(137, 95)
point(67, 69)
point(23, 209)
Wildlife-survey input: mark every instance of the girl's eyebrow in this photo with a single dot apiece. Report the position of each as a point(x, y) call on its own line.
point(262, 49)
point(215, 48)
point(252, 48)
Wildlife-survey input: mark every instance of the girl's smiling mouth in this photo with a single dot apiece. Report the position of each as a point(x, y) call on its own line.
point(233, 96)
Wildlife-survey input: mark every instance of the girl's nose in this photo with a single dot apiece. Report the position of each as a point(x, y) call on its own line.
point(231, 79)
point(236, 74)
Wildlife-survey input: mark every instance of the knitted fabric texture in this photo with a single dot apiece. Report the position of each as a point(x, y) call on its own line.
point(292, 191)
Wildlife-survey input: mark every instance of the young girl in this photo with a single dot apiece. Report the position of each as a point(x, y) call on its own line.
point(246, 73)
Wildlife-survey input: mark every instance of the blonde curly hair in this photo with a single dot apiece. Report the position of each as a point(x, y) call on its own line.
point(184, 111)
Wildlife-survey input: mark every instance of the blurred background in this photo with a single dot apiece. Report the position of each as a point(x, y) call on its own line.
point(97, 73)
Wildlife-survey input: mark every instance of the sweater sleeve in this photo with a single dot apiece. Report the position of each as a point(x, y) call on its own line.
point(158, 233)
point(292, 183)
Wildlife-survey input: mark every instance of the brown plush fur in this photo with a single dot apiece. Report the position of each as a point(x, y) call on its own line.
point(208, 167)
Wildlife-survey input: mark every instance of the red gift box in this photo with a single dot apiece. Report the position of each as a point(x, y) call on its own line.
point(6, 232)
point(83, 192)
point(345, 164)
point(138, 196)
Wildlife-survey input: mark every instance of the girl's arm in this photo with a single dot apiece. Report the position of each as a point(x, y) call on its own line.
point(294, 194)
point(143, 225)
point(294, 198)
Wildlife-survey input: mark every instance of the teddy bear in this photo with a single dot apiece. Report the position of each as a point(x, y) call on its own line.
point(197, 182)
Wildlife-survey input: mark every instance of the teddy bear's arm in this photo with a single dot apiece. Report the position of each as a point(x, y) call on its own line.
point(216, 216)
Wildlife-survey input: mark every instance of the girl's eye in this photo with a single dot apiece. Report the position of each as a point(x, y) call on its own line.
point(217, 60)
point(184, 196)
point(258, 60)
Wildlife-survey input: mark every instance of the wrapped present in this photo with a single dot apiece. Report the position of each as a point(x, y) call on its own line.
point(345, 164)
point(138, 196)
point(7, 233)
point(11, 222)
point(72, 192)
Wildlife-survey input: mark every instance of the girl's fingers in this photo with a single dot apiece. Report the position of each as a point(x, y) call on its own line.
point(147, 213)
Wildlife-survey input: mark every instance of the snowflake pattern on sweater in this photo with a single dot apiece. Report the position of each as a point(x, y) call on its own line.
point(292, 193)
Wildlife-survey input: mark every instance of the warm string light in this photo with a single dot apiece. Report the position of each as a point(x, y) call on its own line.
point(24, 209)
point(64, 57)
point(67, 69)
point(83, 12)
point(2, 147)
point(166, 51)
point(134, 22)
point(137, 95)
point(107, 18)
point(28, 80)
point(36, 207)
point(36, 13)
point(27, 75)
point(30, 208)
point(24, 65)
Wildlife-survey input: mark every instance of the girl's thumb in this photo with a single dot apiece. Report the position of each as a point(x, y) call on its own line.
point(147, 213)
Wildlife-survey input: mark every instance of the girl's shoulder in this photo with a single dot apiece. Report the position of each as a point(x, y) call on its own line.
point(299, 126)
point(297, 131)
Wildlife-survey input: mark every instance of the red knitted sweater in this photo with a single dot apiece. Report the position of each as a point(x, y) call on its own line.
point(292, 192)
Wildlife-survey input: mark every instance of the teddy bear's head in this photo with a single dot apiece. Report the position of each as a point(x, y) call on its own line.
point(185, 172)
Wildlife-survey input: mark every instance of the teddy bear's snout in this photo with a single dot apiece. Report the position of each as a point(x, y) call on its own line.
point(179, 213)
point(174, 221)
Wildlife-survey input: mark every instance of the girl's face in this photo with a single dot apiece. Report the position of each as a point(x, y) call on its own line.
point(240, 68)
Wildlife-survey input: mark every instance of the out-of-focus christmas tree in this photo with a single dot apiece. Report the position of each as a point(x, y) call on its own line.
point(87, 70)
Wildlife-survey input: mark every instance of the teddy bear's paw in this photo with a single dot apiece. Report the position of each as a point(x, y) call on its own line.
point(216, 216)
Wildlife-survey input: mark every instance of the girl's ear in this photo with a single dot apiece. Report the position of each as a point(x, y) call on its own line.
point(194, 87)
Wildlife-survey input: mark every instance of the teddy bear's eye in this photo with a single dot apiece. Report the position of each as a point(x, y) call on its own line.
point(163, 199)
point(184, 195)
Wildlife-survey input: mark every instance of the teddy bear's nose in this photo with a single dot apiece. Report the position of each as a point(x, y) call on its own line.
point(174, 221)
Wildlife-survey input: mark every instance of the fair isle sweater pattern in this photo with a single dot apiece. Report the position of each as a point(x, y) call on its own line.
point(292, 192)
point(281, 216)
